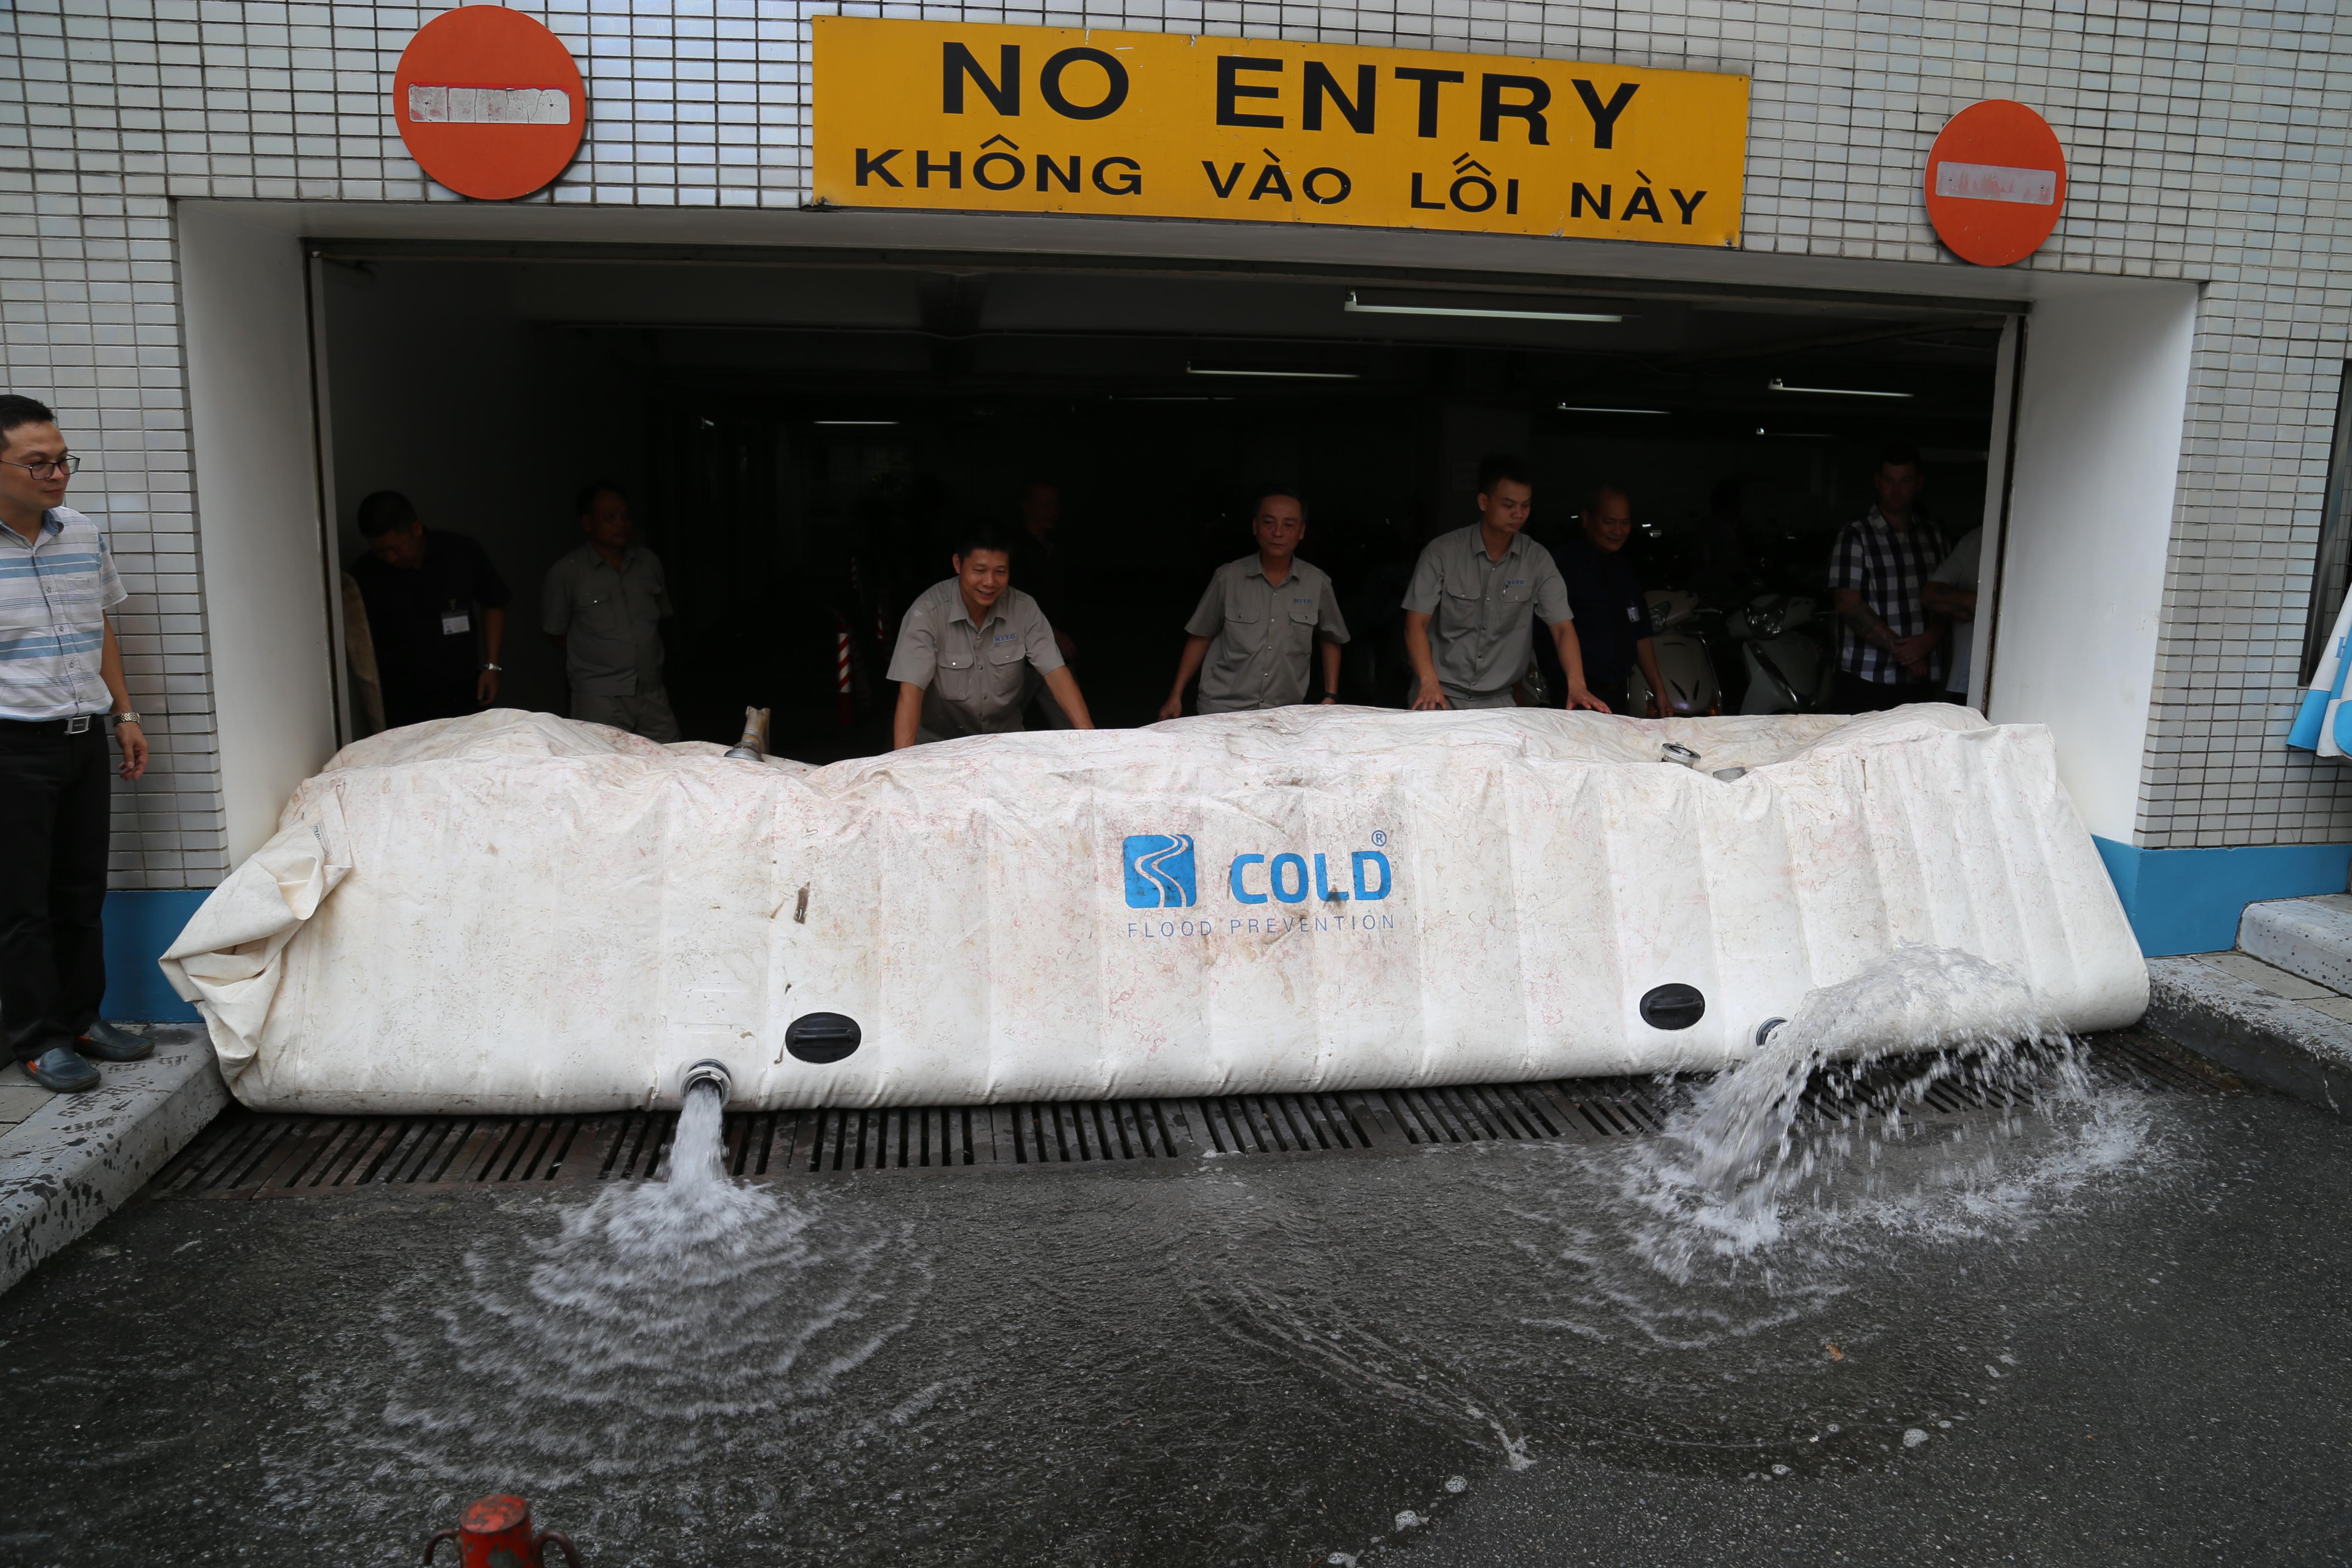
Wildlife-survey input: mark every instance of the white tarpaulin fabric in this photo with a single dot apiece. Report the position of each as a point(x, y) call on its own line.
point(512, 911)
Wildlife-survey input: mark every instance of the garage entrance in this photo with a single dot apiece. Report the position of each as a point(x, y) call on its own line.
point(802, 431)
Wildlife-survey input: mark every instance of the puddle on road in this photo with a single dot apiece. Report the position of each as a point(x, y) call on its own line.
point(1244, 1361)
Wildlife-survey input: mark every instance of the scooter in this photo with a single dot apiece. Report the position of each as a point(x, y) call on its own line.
point(1789, 669)
point(1683, 662)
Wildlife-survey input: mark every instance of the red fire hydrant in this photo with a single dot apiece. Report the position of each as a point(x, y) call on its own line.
point(496, 1533)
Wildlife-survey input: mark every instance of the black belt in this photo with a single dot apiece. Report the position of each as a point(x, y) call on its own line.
point(80, 724)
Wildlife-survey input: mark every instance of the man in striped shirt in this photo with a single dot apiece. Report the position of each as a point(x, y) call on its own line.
point(61, 680)
point(1890, 649)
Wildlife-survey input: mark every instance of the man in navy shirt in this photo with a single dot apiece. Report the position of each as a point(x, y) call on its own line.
point(1612, 615)
point(437, 609)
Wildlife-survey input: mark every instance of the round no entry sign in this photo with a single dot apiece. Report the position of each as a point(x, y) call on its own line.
point(1996, 182)
point(488, 102)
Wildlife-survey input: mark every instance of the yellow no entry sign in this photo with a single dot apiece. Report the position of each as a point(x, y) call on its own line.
point(992, 119)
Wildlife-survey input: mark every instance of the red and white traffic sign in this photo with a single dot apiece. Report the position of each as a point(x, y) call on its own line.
point(1996, 182)
point(488, 102)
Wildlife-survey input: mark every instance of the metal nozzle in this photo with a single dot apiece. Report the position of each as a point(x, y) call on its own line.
point(708, 1071)
point(753, 746)
point(1764, 1030)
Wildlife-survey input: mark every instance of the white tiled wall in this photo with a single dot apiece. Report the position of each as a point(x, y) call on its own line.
point(2204, 142)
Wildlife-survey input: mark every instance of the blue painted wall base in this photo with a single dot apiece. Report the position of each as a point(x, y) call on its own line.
point(2189, 900)
point(141, 923)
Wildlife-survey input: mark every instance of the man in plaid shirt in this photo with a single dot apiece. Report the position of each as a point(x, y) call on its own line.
point(1890, 649)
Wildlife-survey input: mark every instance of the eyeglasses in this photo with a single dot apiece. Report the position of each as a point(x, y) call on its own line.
point(69, 463)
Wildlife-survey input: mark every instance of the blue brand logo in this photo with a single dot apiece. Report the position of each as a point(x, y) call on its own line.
point(1160, 874)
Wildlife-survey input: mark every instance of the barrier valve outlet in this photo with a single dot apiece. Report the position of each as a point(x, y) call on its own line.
point(495, 1532)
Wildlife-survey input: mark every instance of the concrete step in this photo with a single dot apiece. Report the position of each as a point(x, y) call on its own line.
point(2309, 937)
point(70, 1160)
point(2263, 1023)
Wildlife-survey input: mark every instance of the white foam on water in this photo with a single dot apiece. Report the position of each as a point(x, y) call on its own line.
point(656, 1318)
point(1747, 1166)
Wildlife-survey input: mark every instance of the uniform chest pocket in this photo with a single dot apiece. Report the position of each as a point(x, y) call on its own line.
point(1516, 590)
point(1296, 621)
point(1006, 661)
point(1462, 605)
point(1246, 627)
point(959, 677)
point(601, 612)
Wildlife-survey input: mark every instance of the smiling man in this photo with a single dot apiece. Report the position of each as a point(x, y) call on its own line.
point(1254, 633)
point(60, 682)
point(964, 650)
point(1469, 613)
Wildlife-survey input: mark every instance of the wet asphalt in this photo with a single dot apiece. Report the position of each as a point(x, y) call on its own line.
point(2116, 1335)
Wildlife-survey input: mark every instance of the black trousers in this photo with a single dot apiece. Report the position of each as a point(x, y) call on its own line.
point(52, 886)
point(1856, 695)
point(407, 701)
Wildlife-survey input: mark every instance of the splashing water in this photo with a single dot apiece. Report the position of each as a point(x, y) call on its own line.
point(656, 1317)
point(1826, 1085)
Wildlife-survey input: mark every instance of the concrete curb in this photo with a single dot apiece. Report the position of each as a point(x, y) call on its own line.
point(2275, 1042)
point(76, 1159)
point(2309, 937)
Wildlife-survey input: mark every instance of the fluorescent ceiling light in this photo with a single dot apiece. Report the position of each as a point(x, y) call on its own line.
point(856, 422)
point(1488, 312)
point(1591, 408)
point(1780, 385)
point(1282, 374)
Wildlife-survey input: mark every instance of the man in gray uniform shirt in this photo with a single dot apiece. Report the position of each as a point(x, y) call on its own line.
point(1258, 622)
point(1481, 585)
point(603, 605)
point(964, 649)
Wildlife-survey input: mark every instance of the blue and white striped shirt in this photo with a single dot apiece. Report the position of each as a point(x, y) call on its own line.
point(54, 595)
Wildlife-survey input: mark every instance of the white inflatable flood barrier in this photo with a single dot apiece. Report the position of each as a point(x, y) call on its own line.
point(513, 912)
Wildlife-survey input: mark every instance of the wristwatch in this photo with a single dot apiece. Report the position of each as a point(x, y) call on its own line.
point(496, 667)
point(132, 718)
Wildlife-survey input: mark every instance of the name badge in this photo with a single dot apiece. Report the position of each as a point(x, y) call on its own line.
point(455, 622)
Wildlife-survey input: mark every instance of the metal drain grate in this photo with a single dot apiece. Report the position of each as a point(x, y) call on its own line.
point(256, 1156)
point(248, 1154)
point(2152, 1061)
